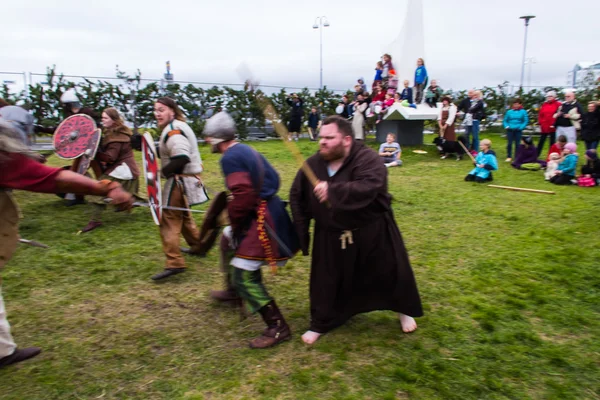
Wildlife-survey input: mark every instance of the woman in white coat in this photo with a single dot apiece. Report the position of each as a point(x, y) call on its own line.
point(358, 120)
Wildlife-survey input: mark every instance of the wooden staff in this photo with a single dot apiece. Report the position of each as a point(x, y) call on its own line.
point(466, 151)
point(517, 189)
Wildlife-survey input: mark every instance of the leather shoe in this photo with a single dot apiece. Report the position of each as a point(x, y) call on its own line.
point(189, 251)
point(167, 273)
point(20, 355)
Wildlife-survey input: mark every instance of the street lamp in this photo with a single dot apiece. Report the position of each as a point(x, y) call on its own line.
point(526, 18)
point(320, 23)
point(530, 61)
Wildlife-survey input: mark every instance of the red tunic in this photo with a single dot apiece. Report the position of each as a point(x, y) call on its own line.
point(18, 171)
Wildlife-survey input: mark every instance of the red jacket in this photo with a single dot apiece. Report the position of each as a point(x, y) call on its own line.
point(555, 148)
point(546, 116)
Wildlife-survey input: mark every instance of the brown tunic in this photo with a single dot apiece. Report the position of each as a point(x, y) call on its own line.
point(373, 271)
point(449, 132)
point(115, 149)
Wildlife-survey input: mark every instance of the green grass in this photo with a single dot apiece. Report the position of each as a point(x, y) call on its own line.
point(509, 283)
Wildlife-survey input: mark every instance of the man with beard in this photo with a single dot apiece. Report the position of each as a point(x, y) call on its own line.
point(261, 231)
point(359, 261)
point(20, 169)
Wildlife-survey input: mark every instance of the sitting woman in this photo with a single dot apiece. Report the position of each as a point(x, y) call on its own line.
point(485, 163)
point(565, 172)
point(527, 156)
point(591, 168)
point(115, 156)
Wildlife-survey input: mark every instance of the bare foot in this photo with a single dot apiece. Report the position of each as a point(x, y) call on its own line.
point(408, 323)
point(310, 337)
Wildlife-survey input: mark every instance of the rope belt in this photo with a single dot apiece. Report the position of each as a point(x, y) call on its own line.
point(346, 237)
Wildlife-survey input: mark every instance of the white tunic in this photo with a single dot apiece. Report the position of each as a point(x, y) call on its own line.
point(182, 143)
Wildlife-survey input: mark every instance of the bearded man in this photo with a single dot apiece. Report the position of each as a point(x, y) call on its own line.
point(359, 262)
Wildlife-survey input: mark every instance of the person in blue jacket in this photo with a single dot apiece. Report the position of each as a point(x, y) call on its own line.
point(515, 120)
point(485, 163)
point(567, 168)
point(420, 80)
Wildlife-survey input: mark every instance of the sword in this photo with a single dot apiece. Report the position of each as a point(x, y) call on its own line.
point(33, 243)
point(139, 204)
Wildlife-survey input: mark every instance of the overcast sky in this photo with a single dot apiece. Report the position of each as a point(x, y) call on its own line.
point(469, 43)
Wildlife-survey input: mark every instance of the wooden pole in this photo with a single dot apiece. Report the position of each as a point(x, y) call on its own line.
point(517, 189)
point(466, 150)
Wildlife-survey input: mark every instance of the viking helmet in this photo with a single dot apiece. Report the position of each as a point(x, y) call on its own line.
point(220, 127)
point(70, 96)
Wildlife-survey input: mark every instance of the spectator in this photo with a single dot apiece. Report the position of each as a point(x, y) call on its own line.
point(314, 121)
point(296, 115)
point(558, 146)
point(390, 151)
point(360, 105)
point(387, 66)
point(551, 165)
point(515, 120)
point(465, 103)
point(420, 80)
point(474, 115)
point(590, 127)
point(446, 118)
point(434, 94)
point(393, 81)
point(565, 172)
point(485, 163)
point(568, 116)
point(378, 71)
point(526, 157)
point(344, 108)
point(546, 120)
point(592, 165)
point(407, 93)
point(361, 82)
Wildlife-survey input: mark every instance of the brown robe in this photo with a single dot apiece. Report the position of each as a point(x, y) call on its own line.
point(373, 272)
point(115, 149)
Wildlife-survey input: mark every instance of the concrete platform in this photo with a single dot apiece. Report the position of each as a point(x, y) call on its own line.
point(406, 123)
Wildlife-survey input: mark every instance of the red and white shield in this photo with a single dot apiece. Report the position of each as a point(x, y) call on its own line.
point(152, 175)
point(73, 136)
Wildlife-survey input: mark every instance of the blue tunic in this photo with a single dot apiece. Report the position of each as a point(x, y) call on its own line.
point(489, 162)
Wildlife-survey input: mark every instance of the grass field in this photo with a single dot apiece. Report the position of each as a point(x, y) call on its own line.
point(510, 285)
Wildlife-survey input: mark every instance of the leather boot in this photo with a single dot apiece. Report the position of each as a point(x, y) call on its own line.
point(20, 355)
point(277, 329)
point(227, 295)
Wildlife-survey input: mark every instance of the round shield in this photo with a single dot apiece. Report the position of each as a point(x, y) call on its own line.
point(72, 136)
point(339, 109)
point(152, 175)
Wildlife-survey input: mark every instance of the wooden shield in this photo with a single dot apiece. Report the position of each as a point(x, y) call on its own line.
point(152, 176)
point(90, 153)
point(72, 137)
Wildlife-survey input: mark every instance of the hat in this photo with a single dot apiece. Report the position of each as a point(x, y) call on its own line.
point(220, 127)
point(528, 140)
point(572, 147)
point(591, 153)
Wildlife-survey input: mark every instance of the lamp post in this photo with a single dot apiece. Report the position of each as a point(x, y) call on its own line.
point(530, 61)
point(320, 23)
point(527, 18)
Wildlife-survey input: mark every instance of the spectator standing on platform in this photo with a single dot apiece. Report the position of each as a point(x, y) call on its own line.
point(420, 80)
point(546, 120)
point(434, 94)
point(387, 66)
point(568, 116)
point(378, 71)
point(407, 93)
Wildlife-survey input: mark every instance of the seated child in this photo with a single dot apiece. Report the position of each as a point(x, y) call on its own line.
point(554, 159)
point(485, 163)
point(565, 172)
point(526, 157)
point(558, 146)
point(591, 169)
point(390, 151)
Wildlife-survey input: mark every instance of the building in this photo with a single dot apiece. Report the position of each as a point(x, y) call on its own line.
point(583, 74)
